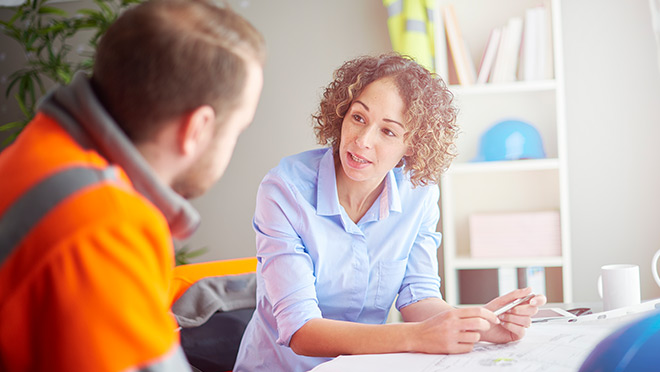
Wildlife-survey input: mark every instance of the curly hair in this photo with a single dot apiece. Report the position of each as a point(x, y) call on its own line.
point(430, 117)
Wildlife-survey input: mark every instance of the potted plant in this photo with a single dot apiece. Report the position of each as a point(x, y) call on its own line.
point(45, 32)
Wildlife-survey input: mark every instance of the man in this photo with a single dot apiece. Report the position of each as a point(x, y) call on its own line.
point(94, 189)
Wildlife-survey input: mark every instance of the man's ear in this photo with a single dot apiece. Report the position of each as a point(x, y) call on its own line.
point(196, 129)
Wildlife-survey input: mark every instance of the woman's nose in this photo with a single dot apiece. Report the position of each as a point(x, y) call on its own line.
point(364, 139)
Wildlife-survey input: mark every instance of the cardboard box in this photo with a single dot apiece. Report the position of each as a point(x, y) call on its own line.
point(533, 234)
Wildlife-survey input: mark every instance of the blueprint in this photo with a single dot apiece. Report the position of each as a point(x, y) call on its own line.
point(555, 346)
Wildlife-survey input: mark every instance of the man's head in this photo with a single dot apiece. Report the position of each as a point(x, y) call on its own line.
point(171, 67)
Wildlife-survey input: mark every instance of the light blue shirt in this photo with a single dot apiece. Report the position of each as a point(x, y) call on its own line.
point(315, 262)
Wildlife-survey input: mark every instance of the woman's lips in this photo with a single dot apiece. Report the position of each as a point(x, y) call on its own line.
point(356, 161)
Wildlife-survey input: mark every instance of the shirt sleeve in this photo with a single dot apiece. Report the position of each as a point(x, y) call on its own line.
point(421, 279)
point(286, 268)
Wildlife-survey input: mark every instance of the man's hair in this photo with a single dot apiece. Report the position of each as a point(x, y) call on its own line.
point(164, 58)
point(429, 117)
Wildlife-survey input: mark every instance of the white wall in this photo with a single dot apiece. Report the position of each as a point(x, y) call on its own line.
point(613, 115)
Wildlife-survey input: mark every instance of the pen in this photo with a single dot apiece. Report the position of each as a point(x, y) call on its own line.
point(513, 304)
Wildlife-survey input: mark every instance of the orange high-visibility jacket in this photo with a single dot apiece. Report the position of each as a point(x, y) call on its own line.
point(85, 261)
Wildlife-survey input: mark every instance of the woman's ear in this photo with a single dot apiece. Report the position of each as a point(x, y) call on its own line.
point(196, 130)
point(403, 159)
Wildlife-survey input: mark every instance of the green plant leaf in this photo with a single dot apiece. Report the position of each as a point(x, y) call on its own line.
point(104, 7)
point(48, 35)
point(12, 82)
point(13, 19)
point(88, 12)
point(12, 125)
point(40, 83)
point(87, 64)
point(30, 90)
point(22, 87)
point(10, 138)
point(21, 105)
point(64, 74)
point(183, 255)
point(29, 42)
point(52, 10)
point(55, 28)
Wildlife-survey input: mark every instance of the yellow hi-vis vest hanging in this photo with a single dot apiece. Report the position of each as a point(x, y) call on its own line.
point(410, 23)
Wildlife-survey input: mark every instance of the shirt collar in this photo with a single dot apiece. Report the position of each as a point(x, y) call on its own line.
point(393, 197)
point(326, 193)
point(327, 196)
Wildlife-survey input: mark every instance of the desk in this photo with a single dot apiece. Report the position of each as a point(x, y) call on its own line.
point(555, 346)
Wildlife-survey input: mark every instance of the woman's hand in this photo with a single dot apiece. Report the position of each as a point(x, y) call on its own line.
point(453, 331)
point(513, 322)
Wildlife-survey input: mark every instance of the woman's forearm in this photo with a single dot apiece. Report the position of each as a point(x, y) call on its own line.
point(424, 309)
point(330, 338)
point(449, 331)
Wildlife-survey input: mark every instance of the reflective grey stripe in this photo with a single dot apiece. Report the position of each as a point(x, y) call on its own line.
point(429, 15)
point(416, 25)
point(174, 362)
point(33, 205)
point(395, 8)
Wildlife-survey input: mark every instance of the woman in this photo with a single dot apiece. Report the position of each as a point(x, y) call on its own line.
point(343, 231)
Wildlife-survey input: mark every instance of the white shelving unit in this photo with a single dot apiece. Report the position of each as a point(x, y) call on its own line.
point(505, 186)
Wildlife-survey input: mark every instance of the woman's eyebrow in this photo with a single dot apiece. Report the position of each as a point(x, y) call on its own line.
point(386, 119)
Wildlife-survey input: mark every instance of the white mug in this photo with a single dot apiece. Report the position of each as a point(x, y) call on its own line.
point(618, 286)
point(654, 267)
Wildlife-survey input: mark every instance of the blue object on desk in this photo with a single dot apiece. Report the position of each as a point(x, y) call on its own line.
point(633, 348)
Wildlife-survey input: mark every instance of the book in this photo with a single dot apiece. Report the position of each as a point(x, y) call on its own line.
point(477, 286)
point(498, 64)
point(465, 70)
point(537, 47)
point(440, 45)
point(506, 63)
point(549, 65)
point(507, 279)
point(488, 58)
point(531, 46)
point(534, 277)
point(518, 234)
point(543, 41)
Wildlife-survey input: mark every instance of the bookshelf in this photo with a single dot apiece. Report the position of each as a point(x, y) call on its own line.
point(517, 186)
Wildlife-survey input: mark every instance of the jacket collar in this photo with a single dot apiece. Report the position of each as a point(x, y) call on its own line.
point(78, 110)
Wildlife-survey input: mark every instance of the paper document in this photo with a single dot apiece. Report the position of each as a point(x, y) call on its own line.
point(555, 346)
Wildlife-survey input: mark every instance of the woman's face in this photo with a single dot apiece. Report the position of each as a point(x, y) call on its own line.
point(372, 133)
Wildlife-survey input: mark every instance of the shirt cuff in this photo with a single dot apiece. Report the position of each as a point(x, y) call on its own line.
point(417, 292)
point(291, 319)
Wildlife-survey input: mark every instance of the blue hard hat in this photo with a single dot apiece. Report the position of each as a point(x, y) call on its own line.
point(633, 348)
point(510, 140)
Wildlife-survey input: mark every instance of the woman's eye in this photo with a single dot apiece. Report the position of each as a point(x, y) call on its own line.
point(389, 133)
point(358, 118)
